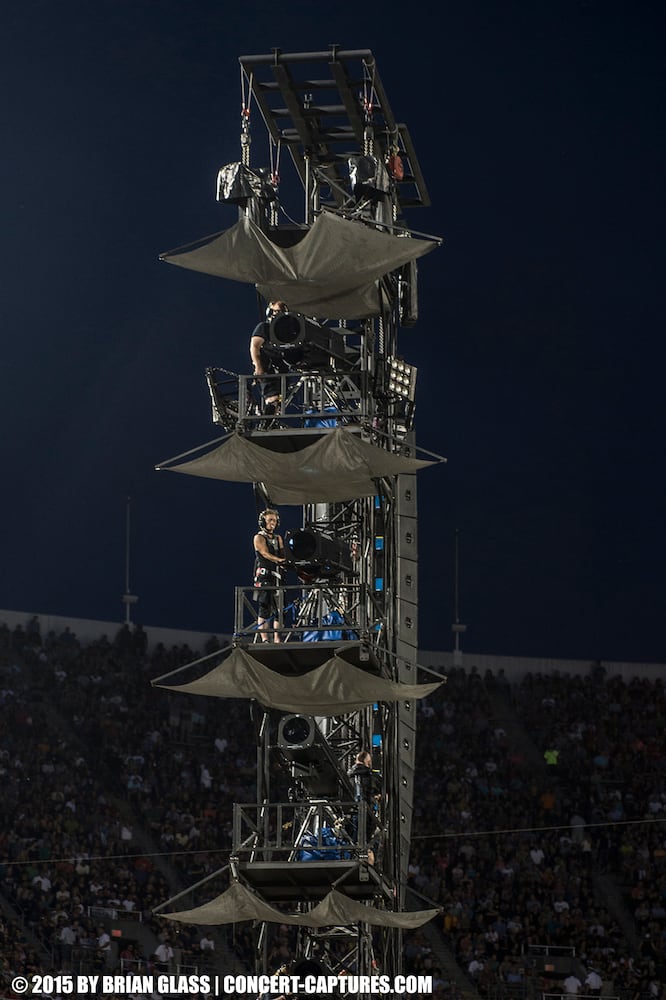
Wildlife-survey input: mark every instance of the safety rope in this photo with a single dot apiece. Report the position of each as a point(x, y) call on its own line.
point(446, 835)
point(274, 150)
point(246, 100)
point(368, 100)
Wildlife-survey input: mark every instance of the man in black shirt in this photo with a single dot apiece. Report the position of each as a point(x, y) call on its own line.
point(270, 388)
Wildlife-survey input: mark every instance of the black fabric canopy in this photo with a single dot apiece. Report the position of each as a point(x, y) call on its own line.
point(338, 466)
point(331, 689)
point(332, 269)
point(239, 903)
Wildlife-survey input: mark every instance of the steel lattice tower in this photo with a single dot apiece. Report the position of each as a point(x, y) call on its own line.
point(355, 605)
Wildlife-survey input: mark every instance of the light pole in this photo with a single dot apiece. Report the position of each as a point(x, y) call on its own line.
point(128, 598)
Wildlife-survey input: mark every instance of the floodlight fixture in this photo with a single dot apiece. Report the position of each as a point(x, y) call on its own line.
point(401, 379)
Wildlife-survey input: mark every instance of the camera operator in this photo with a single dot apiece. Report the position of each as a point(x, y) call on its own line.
point(270, 388)
point(269, 557)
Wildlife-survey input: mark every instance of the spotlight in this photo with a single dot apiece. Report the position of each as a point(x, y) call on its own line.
point(308, 967)
point(296, 732)
point(310, 758)
point(316, 554)
point(305, 344)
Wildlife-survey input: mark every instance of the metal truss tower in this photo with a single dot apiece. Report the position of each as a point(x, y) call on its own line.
point(325, 846)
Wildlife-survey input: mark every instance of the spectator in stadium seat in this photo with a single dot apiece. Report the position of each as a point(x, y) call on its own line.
point(593, 982)
point(164, 955)
point(572, 985)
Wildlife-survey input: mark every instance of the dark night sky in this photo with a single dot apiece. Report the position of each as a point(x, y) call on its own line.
point(540, 346)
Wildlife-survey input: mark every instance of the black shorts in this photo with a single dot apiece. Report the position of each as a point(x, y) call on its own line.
point(270, 387)
point(267, 605)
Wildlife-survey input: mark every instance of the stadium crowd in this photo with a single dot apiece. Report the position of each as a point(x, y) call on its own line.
point(118, 793)
point(525, 858)
point(108, 783)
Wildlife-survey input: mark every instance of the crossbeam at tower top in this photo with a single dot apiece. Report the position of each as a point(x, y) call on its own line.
point(323, 120)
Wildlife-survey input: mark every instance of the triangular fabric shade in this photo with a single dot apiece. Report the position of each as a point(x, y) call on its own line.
point(335, 909)
point(232, 906)
point(333, 688)
point(338, 466)
point(331, 269)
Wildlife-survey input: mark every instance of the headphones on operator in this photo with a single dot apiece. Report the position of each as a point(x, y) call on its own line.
point(262, 517)
point(270, 313)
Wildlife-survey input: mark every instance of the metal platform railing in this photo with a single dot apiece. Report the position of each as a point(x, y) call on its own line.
point(308, 401)
point(301, 831)
point(319, 612)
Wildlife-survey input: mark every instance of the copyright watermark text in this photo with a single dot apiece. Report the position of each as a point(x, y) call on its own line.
point(167, 985)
